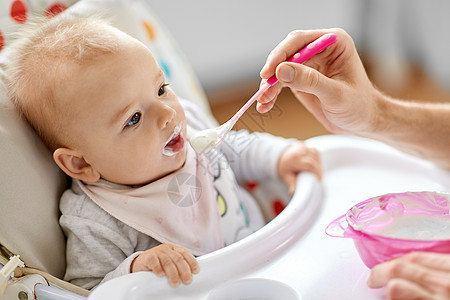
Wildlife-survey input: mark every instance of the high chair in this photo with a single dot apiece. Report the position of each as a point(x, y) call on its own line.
point(31, 183)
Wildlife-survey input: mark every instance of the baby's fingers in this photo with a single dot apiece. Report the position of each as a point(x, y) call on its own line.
point(190, 259)
point(180, 266)
point(177, 263)
point(291, 181)
point(314, 166)
point(170, 268)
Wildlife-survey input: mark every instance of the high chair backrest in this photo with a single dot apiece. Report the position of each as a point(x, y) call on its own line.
point(29, 191)
point(30, 183)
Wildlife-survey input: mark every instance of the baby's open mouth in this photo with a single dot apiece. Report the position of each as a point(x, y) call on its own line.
point(175, 143)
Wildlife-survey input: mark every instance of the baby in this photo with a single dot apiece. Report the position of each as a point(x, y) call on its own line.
point(141, 198)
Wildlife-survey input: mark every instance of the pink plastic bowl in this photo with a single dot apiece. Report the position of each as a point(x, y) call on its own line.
point(374, 225)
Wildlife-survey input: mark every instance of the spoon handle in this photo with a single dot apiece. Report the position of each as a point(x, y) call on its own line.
point(249, 103)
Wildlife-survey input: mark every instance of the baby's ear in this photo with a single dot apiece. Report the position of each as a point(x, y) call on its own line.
point(74, 165)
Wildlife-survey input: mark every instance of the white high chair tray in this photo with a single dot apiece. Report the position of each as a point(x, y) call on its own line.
point(292, 257)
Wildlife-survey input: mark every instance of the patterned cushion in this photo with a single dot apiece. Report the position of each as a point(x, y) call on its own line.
point(129, 15)
point(13, 13)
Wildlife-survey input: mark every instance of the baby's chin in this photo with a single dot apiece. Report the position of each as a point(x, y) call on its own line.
point(181, 158)
point(177, 163)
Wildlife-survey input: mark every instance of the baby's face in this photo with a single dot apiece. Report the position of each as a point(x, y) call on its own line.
point(126, 121)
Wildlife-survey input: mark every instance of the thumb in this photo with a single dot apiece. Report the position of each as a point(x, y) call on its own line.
point(305, 79)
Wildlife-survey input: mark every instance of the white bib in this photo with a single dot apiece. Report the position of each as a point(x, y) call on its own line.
point(180, 208)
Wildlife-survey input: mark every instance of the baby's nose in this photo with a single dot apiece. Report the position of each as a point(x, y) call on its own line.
point(167, 114)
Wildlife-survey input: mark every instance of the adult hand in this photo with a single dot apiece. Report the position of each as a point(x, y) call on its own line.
point(332, 85)
point(417, 275)
point(177, 263)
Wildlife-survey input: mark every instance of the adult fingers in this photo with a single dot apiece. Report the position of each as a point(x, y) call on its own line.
point(400, 289)
point(270, 94)
point(295, 41)
point(267, 100)
point(436, 261)
point(307, 80)
point(397, 268)
point(263, 108)
point(310, 86)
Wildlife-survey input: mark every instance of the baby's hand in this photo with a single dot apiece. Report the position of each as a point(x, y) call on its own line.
point(177, 263)
point(295, 159)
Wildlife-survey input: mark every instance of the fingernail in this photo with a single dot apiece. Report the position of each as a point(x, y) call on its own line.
point(261, 108)
point(175, 283)
point(260, 72)
point(264, 99)
point(258, 107)
point(286, 73)
point(187, 280)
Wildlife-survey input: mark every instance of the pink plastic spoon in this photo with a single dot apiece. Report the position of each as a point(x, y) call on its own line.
point(205, 140)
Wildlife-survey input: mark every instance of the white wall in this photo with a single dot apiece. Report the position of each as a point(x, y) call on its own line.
point(228, 41)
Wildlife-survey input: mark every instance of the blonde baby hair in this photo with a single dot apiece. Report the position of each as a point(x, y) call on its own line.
point(41, 58)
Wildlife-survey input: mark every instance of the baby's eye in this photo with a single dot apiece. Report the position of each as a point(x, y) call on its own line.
point(162, 89)
point(134, 119)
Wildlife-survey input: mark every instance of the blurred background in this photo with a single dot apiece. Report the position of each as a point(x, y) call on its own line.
point(404, 45)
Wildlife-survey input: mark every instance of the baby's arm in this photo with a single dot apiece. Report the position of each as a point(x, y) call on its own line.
point(254, 156)
point(261, 156)
point(166, 259)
